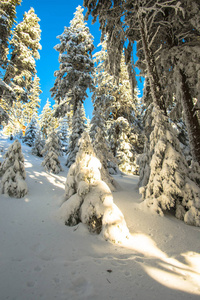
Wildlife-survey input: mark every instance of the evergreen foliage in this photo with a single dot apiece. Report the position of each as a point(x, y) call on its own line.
point(31, 107)
point(76, 66)
point(78, 127)
point(30, 133)
point(38, 145)
point(51, 151)
point(169, 184)
point(119, 104)
point(7, 19)
point(13, 179)
point(47, 120)
point(89, 200)
point(105, 156)
point(63, 133)
point(25, 45)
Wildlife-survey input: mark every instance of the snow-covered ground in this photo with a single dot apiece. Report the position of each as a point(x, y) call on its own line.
point(41, 258)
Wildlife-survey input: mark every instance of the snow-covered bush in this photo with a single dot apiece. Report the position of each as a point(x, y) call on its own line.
point(51, 151)
point(13, 179)
point(89, 199)
point(170, 184)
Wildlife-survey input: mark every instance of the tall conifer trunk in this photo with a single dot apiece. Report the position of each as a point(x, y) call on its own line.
point(192, 123)
point(151, 68)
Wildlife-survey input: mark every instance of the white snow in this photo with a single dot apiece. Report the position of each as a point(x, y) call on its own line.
point(41, 258)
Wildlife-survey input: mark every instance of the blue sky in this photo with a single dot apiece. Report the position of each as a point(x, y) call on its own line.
point(54, 16)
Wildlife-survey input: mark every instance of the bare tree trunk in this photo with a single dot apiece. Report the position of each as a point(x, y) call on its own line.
point(191, 119)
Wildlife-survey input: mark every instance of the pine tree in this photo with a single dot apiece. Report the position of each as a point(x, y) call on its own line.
point(76, 66)
point(124, 153)
point(47, 120)
point(89, 199)
point(30, 133)
point(38, 145)
point(169, 184)
point(25, 44)
point(106, 158)
point(117, 100)
point(7, 19)
point(13, 179)
point(63, 133)
point(78, 127)
point(31, 107)
point(51, 151)
point(97, 121)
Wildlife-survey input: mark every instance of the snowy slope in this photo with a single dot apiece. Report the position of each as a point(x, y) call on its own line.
point(41, 258)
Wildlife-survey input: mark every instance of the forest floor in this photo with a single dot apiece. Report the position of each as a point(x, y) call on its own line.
point(41, 258)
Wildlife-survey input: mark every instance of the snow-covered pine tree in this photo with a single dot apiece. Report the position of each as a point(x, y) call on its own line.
point(78, 127)
point(106, 158)
point(124, 153)
point(89, 199)
point(30, 132)
point(88, 124)
point(13, 179)
point(51, 151)
point(169, 184)
point(98, 136)
point(47, 120)
point(76, 65)
point(7, 19)
point(63, 133)
point(97, 121)
point(31, 107)
point(117, 101)
point(25, 45)
point(38, 146)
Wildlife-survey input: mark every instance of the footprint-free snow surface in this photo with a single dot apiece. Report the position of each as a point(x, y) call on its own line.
point(41, 258)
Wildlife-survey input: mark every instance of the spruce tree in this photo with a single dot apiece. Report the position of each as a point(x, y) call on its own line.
point(51, 152)
point(7, 19)
point(30, 133)
point(31, 107)
point(89, 199)
point(63, 133)
point(38, 145)
point(13, 179)
point(47, 120)
point(124, 153)
point(78, 127)
point(169, 184)
point(25, 44)
point(119, 103)
point(106, 158)
point(74, 76)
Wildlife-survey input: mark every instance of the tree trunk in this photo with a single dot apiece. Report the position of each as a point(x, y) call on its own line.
point(191, 119)
point(151, 68)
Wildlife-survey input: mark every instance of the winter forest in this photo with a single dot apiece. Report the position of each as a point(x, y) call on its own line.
point(152, 141)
